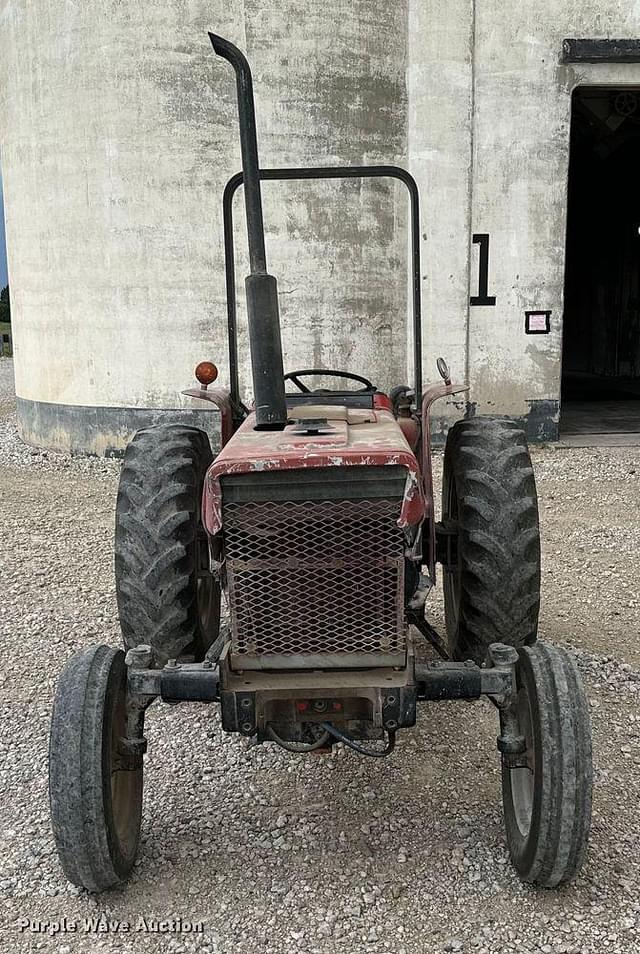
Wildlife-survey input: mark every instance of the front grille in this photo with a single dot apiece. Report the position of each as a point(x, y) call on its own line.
point(312, 579)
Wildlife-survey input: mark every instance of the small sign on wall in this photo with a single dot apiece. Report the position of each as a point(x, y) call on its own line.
point(537, 322)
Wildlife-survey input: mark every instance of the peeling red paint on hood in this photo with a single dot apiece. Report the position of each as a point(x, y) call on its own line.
point(375, 442)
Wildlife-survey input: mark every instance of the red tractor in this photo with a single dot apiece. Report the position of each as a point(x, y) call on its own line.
point(315, 528)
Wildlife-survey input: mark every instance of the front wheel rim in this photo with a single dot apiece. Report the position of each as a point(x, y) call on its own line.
point(125, 781)
point(522, 779)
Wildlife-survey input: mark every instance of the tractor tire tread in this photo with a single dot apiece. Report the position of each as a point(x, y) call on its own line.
point(499, 543)
point(156, 522)
point(560, 832)
point(75, 770)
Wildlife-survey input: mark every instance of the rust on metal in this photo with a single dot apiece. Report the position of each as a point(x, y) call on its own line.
point(222, 400)
point(377, 442)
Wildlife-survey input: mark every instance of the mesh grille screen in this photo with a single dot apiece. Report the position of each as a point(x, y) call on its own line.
point(315, 577)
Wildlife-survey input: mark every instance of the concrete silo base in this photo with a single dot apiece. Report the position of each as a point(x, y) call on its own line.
point(103, 431)
point(106, 431)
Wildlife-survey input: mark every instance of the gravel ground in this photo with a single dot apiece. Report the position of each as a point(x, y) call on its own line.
point(317, 854)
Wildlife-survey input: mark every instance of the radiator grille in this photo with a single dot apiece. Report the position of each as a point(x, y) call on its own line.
point(315, 578)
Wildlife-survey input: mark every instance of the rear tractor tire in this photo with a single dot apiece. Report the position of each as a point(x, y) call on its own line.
point(490, 512)
point(546, 789)
point(167, 598)
point(95, 783)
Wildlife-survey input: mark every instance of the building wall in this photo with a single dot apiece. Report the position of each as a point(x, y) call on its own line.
point(489, 122)
point(522, 109)
point(440, 126)
point(118, 131)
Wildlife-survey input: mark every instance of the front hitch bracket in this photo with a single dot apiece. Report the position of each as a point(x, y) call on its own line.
point(393, 706)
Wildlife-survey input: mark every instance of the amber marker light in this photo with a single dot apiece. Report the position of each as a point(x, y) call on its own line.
point(206, 373)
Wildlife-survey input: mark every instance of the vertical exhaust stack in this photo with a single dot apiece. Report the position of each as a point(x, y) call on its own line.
point(261, 288)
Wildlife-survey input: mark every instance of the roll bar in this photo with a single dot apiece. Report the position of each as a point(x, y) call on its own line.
point(323, 172)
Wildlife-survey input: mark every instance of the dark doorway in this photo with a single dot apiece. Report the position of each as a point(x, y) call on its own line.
point(601, 333)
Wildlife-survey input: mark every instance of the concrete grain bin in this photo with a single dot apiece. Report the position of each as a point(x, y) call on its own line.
point(119, 132)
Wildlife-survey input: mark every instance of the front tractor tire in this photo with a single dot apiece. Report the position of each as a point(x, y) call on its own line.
point(95, 783)
point(491, 573)
point(167, 597)
point(546, 789)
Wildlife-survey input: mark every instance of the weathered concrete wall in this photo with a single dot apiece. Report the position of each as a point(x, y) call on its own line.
point(522, 106)
point(440, 121)
point(489, 122)
point(118, 130)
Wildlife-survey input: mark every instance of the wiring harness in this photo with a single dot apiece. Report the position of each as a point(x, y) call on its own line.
point(331, 732)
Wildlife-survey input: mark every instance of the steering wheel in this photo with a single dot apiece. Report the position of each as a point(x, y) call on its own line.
point(294, 375)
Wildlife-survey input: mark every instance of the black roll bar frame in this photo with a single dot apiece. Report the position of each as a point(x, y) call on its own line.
point(323, 172)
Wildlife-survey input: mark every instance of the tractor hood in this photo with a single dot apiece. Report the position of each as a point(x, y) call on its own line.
point(319, 436)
